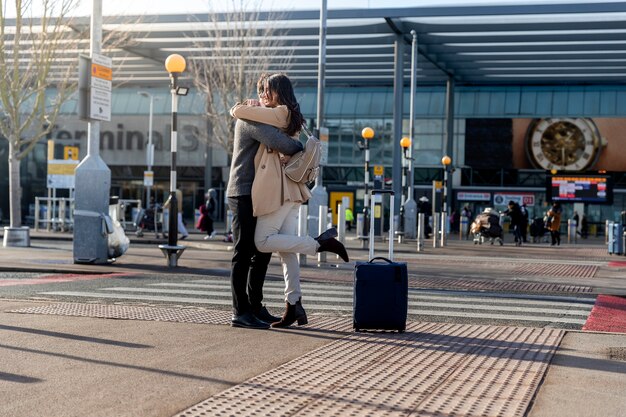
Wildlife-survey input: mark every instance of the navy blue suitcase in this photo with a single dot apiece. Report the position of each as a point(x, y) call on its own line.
point(380, 286)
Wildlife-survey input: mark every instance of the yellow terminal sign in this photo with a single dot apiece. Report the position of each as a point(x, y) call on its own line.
point(379, 170)
point(70, 152)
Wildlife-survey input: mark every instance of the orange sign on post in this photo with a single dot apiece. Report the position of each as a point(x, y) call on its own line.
point(100, 71)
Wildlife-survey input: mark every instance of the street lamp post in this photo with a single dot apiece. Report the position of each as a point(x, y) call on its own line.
point(174, 64)
point(150, 149)
point(446, 161)
point(410, 205)
point(368, 134)
point(405, 144)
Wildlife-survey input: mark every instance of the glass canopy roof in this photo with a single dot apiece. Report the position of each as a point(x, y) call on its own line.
point(513, 43)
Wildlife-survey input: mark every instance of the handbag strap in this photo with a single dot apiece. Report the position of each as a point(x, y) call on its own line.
point(306, 131)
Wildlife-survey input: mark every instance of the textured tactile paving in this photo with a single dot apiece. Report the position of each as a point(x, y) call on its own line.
point(492, 285)
point(111, 311)
point(431, 370)
point(557, 270)
point(177, 315)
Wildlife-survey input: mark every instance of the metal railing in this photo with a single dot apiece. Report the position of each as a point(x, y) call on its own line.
point(58, 213)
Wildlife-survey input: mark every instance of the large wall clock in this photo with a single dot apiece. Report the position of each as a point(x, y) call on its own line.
point(565, 144)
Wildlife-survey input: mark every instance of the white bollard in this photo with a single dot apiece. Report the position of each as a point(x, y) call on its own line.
point(571, 231)
point(435, 218)
point(341, 223)
point(420, 232)
point(323, 210)
point(229, 222)
point(302, 229)
point(463, 227)
point(442, 226)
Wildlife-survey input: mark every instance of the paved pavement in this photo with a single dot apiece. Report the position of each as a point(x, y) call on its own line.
point(139, 359)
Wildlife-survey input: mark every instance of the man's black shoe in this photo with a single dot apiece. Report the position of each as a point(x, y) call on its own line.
point(264, 315)
point(248, 321)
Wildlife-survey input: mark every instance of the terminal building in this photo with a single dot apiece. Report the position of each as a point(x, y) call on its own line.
point(529, 102)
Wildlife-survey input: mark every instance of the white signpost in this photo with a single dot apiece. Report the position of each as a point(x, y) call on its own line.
point(148, 178)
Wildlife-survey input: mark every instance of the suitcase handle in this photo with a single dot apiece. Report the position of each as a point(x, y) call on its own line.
point(371, 261)
point(391, 225)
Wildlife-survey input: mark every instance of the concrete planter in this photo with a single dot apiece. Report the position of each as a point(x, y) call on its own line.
point(16, 237)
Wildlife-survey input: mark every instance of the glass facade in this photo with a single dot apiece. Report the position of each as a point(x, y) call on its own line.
point(347, 112)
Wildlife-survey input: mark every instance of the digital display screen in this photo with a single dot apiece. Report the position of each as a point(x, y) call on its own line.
point(596, 189)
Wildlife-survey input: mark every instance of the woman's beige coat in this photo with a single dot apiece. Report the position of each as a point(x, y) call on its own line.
point(271, 187)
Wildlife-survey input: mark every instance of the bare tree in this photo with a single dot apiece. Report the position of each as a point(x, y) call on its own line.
point(235, 49)
point(28, 49)
point(38, 61)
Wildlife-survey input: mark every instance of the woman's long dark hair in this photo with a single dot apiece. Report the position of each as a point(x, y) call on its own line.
point(280, 85)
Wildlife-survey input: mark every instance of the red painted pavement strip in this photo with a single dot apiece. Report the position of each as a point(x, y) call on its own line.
point(50, 279)
point(607, 315)
point(618, 264)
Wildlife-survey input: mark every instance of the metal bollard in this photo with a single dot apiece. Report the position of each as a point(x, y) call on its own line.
point(323, 210)
point(360, 220)
point(571, 231)
point(435, 220)
point(341, 223)
point(360, 225)
point(302, 230)
point(229, 222)
point(463, 228)
point(443, 227)
point(420, 232)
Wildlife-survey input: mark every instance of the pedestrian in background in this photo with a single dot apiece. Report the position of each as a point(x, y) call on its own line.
point(584, 227)
point(349, 218)
point(524, 224)
point(515, 213)
point(576, 219)
point(208, 213)
point(554, 223)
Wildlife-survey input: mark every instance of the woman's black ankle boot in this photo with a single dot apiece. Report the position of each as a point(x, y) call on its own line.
point(293, 312)
point(334, 246)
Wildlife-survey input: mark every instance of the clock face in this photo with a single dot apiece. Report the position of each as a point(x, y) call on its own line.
point(563, 144)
